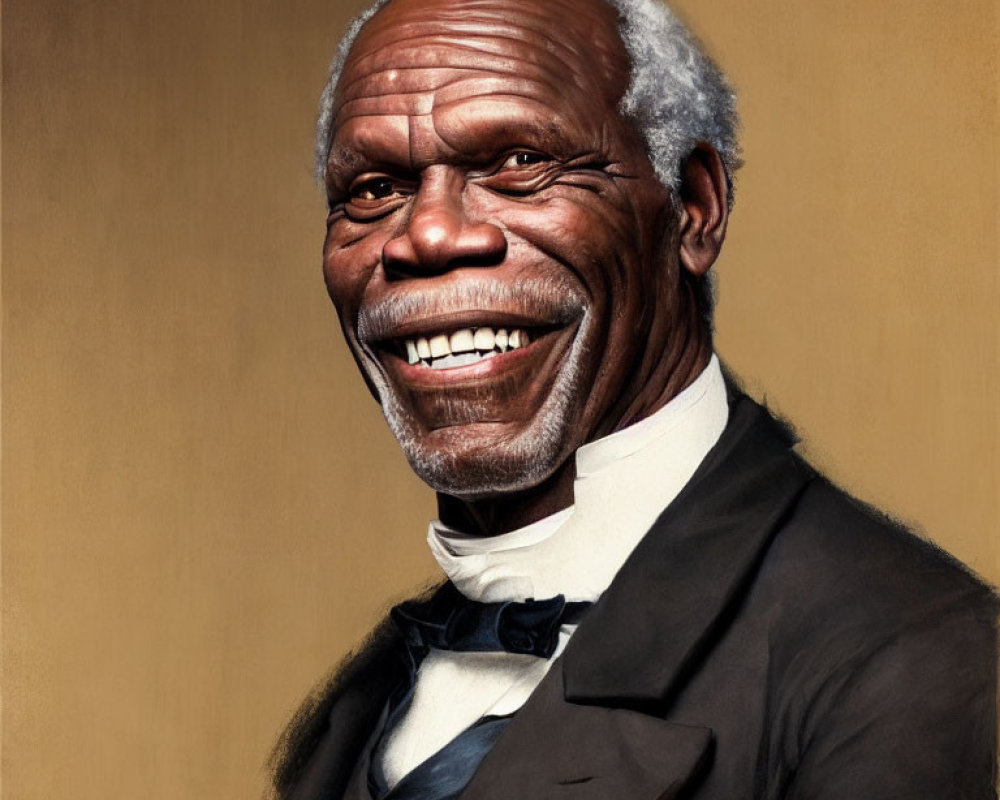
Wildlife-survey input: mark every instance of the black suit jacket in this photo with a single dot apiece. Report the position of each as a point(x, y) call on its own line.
point(770, 637)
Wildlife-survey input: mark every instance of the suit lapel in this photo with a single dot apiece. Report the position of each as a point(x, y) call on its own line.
point(554, 749)
point(679, 588)
point(598, 725)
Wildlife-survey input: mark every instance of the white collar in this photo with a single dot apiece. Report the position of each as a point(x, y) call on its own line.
point(623, 482)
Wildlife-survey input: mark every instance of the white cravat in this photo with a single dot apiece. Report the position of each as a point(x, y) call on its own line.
point(623, 482)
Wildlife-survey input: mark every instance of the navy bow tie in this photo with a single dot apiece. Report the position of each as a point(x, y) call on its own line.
point(450, 621)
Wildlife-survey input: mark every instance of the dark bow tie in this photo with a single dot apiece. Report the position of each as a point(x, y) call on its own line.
point(450, 621)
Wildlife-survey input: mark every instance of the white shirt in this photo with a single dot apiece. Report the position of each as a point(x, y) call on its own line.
point(623, 483)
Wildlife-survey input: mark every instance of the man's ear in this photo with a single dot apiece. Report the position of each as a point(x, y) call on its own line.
point(704, 195)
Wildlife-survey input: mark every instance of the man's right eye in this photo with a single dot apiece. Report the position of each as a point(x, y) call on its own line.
point(371, 196)
point(372, 190)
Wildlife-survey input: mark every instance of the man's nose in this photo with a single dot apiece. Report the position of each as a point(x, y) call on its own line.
point(439, 235)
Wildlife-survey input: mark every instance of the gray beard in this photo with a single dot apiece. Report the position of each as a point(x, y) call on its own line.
point(520, 463)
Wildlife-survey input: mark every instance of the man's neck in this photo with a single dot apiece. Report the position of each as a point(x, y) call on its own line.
point(495, 515)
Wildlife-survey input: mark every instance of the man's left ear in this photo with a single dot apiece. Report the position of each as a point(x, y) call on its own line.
point(704, 195)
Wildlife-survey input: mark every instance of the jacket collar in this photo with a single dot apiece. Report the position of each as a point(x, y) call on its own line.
point(670, 599)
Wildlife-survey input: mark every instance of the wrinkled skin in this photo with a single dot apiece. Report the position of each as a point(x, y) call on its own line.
point(480, 175)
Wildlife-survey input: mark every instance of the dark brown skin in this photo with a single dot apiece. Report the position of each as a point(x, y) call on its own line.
point(481, 174)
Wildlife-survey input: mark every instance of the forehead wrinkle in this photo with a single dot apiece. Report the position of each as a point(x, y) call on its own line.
point(528, 13)
point(457, 54)
point(429, 76)
point(443, 73)
point(410, 137)
point(459, 29)
point(448, 92)
point(495, 97)
point(389, 104)
point(391, 47)
point(375, 96)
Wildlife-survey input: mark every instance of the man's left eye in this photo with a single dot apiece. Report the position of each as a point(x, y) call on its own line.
point(523, 158)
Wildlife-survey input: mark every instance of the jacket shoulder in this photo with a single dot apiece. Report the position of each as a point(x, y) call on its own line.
point(850, 556)
point(882, 657)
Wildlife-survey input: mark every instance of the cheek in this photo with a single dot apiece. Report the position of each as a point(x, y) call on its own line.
point(614, 254)
point(348, 268)
point(596, 240)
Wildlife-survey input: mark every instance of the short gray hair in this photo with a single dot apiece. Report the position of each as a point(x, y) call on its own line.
point(676, 96)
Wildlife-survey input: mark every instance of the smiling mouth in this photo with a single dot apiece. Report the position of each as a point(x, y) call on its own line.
point(472, 367)
point(465, 346)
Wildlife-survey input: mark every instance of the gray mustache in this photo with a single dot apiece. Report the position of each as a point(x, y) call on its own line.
point(553, 300)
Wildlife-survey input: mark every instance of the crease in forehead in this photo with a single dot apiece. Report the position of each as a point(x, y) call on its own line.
point(406, 63)
point(518, 19)
point(421, 90)
point(498, 39)
point(486, 34)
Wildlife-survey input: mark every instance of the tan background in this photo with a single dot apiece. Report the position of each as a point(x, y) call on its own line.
point(201, 507)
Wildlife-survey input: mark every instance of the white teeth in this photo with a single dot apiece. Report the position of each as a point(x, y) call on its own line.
point(439, 346)
point(462, 341)
point(455, 360)
point(484, 339)
point(463, 347)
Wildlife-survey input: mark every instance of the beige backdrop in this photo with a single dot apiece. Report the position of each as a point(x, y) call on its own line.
point(202, 510)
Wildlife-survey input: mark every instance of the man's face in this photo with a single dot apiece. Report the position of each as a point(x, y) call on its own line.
point(500, 252)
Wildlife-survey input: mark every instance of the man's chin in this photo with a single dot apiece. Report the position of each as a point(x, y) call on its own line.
point(482, 460)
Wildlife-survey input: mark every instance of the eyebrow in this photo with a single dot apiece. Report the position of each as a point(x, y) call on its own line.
point(343, 163)
point(344, 157)
point(498, 130)
point(367, 148)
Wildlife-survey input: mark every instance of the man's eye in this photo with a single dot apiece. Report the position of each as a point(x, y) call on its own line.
point(374, 189)
point(522, 159)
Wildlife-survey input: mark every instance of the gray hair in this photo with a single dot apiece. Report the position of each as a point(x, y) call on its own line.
point(677, 96)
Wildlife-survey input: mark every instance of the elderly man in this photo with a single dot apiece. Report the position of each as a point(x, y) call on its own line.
point(649, 594)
